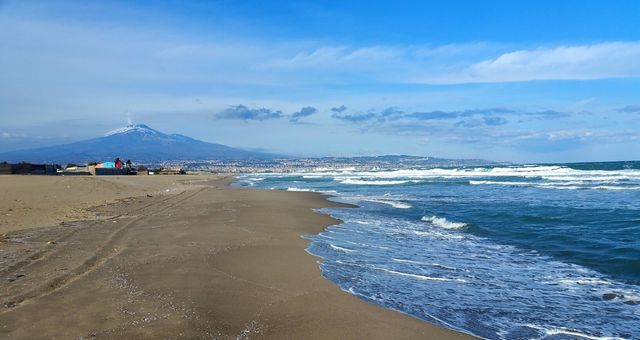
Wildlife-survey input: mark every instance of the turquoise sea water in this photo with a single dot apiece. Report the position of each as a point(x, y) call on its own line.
point(510, 252)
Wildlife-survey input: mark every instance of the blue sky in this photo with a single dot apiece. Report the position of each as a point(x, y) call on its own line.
point(527, 81)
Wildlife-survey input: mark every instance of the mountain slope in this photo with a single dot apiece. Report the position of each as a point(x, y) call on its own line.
point(139, 143)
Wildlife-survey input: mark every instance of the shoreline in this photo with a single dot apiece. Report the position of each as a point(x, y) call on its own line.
point(327, 198)
point(210, 261)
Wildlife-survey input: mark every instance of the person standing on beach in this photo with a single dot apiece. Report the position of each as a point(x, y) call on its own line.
point(118, 163)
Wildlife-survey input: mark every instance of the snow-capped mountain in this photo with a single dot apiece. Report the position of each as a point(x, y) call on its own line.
point(139, 128)
point(139, 143)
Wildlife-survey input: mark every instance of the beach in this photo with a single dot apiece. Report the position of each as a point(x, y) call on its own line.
point(173, 257)
point(501, 252)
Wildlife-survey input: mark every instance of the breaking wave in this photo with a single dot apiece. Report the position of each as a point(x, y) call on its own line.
point(442, 222)
point(535, 263)
point(393, 203)
point(554, 177)
point(372, 182)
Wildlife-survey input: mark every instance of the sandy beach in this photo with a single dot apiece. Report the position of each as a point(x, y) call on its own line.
point(173, 257)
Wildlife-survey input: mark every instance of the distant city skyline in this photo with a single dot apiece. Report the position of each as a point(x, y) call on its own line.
point(528, 81)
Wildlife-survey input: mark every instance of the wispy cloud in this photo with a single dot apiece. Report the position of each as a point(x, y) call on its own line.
point(495, 121)
point(491, 116)
point(630, 109)
point(478, 134)
point(246, 113)
point(578, 62)
point(339, 109)
point(470, 63)
point(242, 112)
point(356, 118)
point(390, 113)
point(304, 112)
point(489, 128)
point(337, 56)
point(169, 59)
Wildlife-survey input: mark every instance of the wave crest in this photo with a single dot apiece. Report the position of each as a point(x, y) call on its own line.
point(442, 222)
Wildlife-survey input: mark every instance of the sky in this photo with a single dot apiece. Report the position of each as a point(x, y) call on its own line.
point(522, 81)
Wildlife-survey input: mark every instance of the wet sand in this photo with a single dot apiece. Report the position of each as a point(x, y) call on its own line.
point(203, 260)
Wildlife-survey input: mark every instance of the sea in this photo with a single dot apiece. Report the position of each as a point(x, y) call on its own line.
point(547, 251)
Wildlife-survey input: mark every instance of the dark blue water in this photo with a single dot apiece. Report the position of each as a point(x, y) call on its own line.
point(526, 252)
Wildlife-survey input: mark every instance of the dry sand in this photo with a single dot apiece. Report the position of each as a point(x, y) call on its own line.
point(203, 260)
point(35, 201)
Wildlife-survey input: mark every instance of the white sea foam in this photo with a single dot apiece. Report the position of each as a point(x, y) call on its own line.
point(443, 222)
point(567, 185)
point(407, 261)
point(371, 182)
point(488, 271)
point(313, 176)
point(554, 174)
point(558, 331)
point(563, 331)
point(432, 234)
point(441, 266)
point(419, 277)
point(437, 265)
point(341, 249)
point(501, 183)
point(570, 282)
point(393, 203)
point(299, 189)
point(423, 233)
point(609, 187)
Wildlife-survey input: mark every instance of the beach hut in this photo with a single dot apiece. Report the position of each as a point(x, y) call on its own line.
point(106, 169)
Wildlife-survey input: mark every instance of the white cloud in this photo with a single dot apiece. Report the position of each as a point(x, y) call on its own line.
point(464, 63)
point(585, 101)
point(77, 54)
point(338, 56)
point(62, 69)
point(580, 62)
